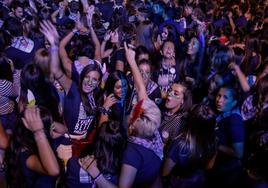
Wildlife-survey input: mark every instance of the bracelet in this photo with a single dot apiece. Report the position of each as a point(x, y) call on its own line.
point(104, 111)
point(57, 78)
point(54, 49)
point(74, 31)
point(97, 177)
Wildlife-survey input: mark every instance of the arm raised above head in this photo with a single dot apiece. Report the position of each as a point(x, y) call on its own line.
point(141, 90)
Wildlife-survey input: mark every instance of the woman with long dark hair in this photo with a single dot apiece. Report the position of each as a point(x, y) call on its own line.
point(192, 150)
point(31, 160)
point(33, 81)
point(81, 99)
point(108, 150)
point(116, 103)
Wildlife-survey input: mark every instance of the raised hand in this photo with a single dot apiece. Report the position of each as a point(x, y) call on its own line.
point(32, 119)
point(89, 163)
point(90, 12)
point(109, 101)
point(130, 53)
point(78, 24)
point(50, 32)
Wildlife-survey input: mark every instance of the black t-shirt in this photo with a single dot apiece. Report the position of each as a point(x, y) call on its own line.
point(32, 178)
point(145, 161)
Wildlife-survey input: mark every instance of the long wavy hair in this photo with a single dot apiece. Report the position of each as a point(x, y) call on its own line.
point(198, 136)
point(96, 92)
point(33, 79)
point(109, 146)
point(23, 140)
point(111, 81)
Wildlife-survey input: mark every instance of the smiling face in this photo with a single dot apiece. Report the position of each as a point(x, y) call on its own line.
point(91, 81)
point(168, 50)
point(224, 100)
point(175, 98)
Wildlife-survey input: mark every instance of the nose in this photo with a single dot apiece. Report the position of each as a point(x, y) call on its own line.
point(219, 99)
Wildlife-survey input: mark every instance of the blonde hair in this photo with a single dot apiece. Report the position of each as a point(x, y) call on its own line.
point(149, 121)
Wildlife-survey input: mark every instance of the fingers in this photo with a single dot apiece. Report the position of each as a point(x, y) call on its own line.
point(46, 27)
point(25, 123)
point(125, 46)
point(87, 161)
point(110, 98)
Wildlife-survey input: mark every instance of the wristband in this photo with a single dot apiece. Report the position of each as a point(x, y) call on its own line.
point(104, 111)
point(74, 31)
point(97, 177)
point(54, 49)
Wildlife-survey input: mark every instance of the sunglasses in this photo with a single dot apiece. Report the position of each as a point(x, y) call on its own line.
point(90, 81)
point(172, 94)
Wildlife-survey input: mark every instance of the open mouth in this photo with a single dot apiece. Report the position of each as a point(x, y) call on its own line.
point(88, 87)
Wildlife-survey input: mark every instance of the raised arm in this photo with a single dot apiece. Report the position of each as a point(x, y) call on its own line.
point(232, 24)
point(241, 77)
point(66, 61)
point(97, 54)
point(50, 32)
point(45, 162)
point(105, 53)
point(130, 55)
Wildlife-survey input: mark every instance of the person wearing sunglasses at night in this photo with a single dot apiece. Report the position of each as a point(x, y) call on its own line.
point(80, 104)
point(177, 104)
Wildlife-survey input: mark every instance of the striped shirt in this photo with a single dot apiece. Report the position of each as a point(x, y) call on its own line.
point(8, 90)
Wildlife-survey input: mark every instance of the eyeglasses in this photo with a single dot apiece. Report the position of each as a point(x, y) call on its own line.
point(172, 94)
point(93, 82)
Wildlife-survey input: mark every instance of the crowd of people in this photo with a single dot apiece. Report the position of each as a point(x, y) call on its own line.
point(134, 93)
